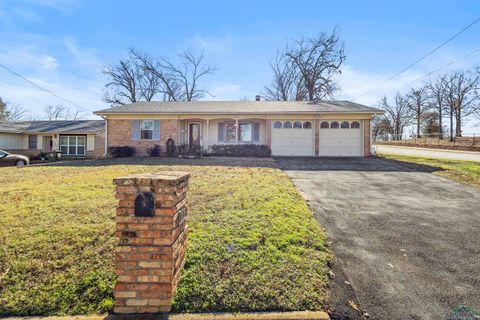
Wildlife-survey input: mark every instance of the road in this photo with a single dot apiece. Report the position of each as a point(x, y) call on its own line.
point(429, 153)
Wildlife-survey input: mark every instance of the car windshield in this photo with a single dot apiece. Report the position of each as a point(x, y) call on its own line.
point(3, 153)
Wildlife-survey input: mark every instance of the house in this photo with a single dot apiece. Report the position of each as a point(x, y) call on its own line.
point(290, 128)
point(76, 138)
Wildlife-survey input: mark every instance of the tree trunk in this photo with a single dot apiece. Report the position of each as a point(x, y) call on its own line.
point(440, 124)
point(451, 124)
point(418, 125)
point(458, 125)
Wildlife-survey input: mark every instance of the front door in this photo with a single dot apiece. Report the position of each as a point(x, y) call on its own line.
point(47, 144)
point(194, 134)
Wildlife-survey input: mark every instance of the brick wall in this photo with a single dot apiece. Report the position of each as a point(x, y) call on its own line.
point(120, 134)
point(366, 138)
point(151, 249)
point(268, 132)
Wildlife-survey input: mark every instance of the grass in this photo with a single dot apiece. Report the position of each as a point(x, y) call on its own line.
point(253, 243)
point(467, 172)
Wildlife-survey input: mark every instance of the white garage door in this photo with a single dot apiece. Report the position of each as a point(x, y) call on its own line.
point(293, 138)
point(340, 138)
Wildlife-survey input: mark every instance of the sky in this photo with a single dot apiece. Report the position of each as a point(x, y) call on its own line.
point(62, 45)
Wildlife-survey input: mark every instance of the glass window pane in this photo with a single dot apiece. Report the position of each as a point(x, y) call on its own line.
point(245, 132)
point(277, 124)
point(81, 150)
point(307, 125)
point(63, 140)
point(287, 124)
point(146, 134)
point(297, 125)
point(334, 125)
point(230, 131)
point(72, 140)
point(81, 141)
point(355, 125)
point(72, 150)
point(345, 125)
point(324, 125)
point(146, 124)
point(64, 149)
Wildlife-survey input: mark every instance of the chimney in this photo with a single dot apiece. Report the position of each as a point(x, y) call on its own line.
point(257, 97)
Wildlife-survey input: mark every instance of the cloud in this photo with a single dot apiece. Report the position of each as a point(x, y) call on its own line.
point(219, 45)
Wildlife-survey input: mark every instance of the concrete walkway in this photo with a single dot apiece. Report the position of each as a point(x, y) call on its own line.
point(429, 153)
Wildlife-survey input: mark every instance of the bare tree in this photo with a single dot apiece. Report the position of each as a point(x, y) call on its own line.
point(418, 103)
point(436, 92)
point(55, 112)
point(398, 116)
point(177, 82)
point(462, 97)
point(287, 82)
point(318, 61)
point(11, 113)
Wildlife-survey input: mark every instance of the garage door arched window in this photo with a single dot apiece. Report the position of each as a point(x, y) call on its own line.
point(334, 125)
point(324, 125)
point(297, 125)
point(355, 125)
point(277, 124)
point(307, 125)
point(287, 125)
point(345, 125)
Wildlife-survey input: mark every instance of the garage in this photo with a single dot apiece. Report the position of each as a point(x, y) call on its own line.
point(341, 138)
point(293, 138)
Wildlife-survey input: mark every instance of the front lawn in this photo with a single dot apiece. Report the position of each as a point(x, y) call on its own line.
point(467, 172)
point(253, 243)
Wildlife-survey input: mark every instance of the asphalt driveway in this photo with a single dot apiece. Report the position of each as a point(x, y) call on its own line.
point(407, 240)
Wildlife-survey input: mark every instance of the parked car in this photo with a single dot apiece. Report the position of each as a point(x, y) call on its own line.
point(8, 159)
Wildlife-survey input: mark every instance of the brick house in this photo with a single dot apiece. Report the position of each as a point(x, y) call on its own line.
point(290, 128)
point(75, 138)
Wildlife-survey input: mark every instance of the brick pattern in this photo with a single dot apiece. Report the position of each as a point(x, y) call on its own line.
point(151, 250)
point(268, 132)
point(366, 138)
point(120, 134)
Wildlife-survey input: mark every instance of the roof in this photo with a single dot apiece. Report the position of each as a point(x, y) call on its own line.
point(239, 107)
point(70, 126)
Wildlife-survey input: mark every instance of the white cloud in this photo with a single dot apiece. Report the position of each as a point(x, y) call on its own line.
point(220, 45)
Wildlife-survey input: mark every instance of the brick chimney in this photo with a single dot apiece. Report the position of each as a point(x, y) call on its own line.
point(257, 97)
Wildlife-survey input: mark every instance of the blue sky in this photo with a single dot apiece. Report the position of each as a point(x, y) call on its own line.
point(62, 44)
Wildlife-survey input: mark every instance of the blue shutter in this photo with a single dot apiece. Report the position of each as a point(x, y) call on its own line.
point(256, 132)
point(156, 130)
point(220, 132)
point(135, 130)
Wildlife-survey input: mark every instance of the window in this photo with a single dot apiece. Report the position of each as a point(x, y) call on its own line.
point(334, 125)
point(277, 124)
point(307, 125)
point(355, 125)
point(246, 132)
point(324, 125)
point(73, 145)
point(345, 125)
point(287, 125)
point(229, 132)
point(2, 154)
point(146, 129)
point(32, 142)
point(297, 125)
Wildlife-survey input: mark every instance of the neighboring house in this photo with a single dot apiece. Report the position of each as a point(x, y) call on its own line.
point(337, 128)
point(76, 138)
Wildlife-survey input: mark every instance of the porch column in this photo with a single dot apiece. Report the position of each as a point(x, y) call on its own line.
point(207, 130)
point(236, 131)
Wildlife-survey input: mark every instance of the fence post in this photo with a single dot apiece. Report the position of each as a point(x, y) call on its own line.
point(152, 233)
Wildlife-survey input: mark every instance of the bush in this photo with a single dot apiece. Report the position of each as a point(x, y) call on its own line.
point(120, 152)
point(185, 150)
point(240, 150)
point(154, 151)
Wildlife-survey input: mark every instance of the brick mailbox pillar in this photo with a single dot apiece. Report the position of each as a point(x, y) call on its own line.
point(152, 232)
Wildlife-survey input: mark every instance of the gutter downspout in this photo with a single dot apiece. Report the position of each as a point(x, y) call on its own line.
point(105, 153)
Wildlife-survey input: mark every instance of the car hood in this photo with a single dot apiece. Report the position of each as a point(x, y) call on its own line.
point(17, 157)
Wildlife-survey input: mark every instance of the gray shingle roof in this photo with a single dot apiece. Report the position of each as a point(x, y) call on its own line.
point(249, 107)
point(71, 126)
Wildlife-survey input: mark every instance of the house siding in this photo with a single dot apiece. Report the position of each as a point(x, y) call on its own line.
point(366, 138)
point(120, 134)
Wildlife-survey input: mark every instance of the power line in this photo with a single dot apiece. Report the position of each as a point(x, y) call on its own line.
point(422, 58)
point(60, 69)
point(43, 89)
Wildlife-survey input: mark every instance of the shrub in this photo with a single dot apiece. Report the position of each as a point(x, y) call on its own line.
point(240, 150)
point(120, 152)
point(185, 150)
point(154, 151)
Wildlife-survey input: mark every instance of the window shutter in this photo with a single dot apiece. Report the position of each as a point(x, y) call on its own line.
point(221, 131)
point(135, 130)
point(156, 130)
point(256, 132)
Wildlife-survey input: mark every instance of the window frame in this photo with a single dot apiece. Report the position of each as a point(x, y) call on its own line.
point(337, 125)
point(304, 126)
point(240, 124)
point(279, 122)
point(32, 145)
point(289, 122)
point(357, 125)
point(226, 126)
point(324, 127)
point(75, 145)
point(345, 127)
point(142, 130)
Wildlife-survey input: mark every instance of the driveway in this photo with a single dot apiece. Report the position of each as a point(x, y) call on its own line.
point(429, 153)
point(407, 240)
